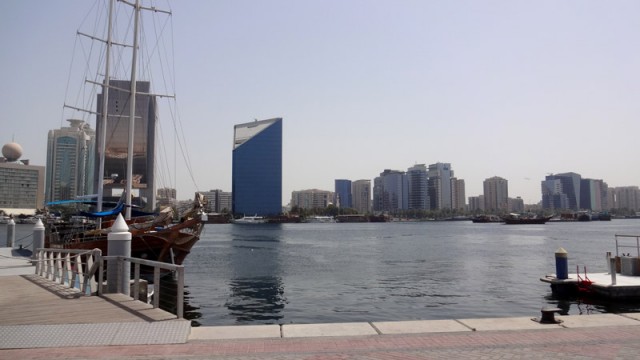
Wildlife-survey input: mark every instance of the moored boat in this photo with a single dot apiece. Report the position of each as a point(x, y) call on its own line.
point(250, 220)
point(517, 219)
point(321, 219)
point(482, 219)
point(155, 236)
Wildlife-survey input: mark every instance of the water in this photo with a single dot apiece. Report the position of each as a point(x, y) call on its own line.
point(319, 273)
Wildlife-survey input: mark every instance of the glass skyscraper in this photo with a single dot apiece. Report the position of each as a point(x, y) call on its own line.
point(257, 168)
point(70, 161)
point(117, 143)
point(343, 193)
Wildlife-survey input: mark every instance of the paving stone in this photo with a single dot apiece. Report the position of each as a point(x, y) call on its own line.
point(419, 326)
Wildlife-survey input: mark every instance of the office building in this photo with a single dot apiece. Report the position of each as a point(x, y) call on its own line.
point(361, 191)
point(458, 194)
point(593, 195)
point(311, 199)
point(70, 161)
point(476, 203)
point(627, 198)
point(496, 194)
point(418, 197)
point(566, 187)
point(257, 168)
point(516, 205)
point(391, 191)
point(439, 186)
point(117, 143)
point(343, 196)
point(165, 197)
point(218, 201)
point(21, 184)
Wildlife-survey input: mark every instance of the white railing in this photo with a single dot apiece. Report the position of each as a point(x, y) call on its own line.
point(157, 266)
point(626, 245)
point(71, 268)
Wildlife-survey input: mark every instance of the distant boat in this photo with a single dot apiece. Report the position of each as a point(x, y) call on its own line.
point(250, 220)
point(482, 219)
point(320, 219)
point(604, 216)
point(584, 216)
point(517, 219)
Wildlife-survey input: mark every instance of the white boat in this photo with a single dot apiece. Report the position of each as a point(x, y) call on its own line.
point(250, 220)
point(321, 219)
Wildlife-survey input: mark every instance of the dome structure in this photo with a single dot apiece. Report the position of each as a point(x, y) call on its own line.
point(12, 151)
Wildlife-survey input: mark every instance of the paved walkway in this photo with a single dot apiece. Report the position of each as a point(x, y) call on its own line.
point(595, 336)
point(617, 342)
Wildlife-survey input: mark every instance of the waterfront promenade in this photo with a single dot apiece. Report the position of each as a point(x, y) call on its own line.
point(25, 333)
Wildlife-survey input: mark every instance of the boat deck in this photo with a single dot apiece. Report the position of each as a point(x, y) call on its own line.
point(626, 286)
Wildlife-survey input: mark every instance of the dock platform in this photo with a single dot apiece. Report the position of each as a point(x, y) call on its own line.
point(626, 286)
point(36, 312)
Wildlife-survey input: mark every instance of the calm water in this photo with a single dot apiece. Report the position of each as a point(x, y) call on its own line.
point(316, 273)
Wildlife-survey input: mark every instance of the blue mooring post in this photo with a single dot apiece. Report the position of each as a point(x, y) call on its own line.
point(11, 233)
point(562, 264)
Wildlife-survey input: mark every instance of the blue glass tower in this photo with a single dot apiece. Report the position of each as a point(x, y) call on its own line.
point(344, 198)
point(257, 168)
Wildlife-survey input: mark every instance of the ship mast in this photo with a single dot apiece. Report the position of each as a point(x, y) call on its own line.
point(105, 102)
point(132, 111)
point(132, 102)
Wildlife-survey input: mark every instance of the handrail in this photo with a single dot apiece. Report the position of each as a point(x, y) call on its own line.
point(72, 268)
point(637, 246)
point(157, 266)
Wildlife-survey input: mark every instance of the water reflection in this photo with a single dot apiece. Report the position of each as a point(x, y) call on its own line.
point(256, 287)
point(257, 300)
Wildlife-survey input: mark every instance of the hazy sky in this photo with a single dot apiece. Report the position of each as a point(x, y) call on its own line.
point(515, 89)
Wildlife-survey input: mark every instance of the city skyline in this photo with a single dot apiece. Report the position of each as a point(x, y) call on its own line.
point(497, 88)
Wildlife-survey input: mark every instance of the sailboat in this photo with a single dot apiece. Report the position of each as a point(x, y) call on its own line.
point(155, 236)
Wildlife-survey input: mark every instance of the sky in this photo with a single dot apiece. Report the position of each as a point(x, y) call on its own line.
point(516, 89)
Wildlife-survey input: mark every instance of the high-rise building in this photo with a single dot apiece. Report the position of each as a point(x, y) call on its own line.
point(516, 205)
point(496, 194)
point(391, 191)
point(70, 161)
point(218, 201)
point(553, 197)
point(361, 190)
point(343, 196)
point(21, 184)
point(166, 197)
point(458, 194)
point(439, 185)
point(257, 168)
point(311, 199)
point(117, 143)
point(568, 184)
point(476, 203)
point(593, 195)
point(417, 191)
point(627, 198)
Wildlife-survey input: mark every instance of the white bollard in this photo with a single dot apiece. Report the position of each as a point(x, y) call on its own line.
point(38, 239)
point(11, 233)
point(612, 270)
point(119, 244)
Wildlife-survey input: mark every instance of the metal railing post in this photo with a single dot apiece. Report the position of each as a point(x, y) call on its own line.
point(180, 297)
